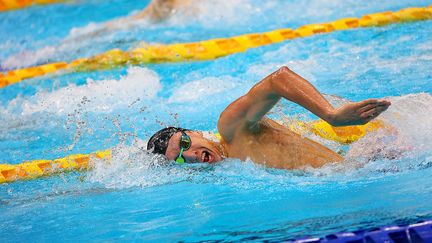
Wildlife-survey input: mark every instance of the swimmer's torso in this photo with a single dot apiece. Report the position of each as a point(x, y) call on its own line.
point(278, 147)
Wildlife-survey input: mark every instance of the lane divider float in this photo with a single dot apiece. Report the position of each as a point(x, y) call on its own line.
point(38, 168)
point(213, 48)
point(8, 5)
point(80, 162)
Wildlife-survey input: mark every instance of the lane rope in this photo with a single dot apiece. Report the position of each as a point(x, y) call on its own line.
point(213, 48)
point(39, 168)
point(78, 162)
point(8, 5)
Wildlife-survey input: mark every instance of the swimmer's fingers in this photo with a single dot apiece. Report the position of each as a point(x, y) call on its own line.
point(371, 107)
point(367, 108)
point(374, 112)
point(369, 104)
point(358, 113)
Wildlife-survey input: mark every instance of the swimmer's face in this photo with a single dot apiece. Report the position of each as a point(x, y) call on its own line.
point(201, 150)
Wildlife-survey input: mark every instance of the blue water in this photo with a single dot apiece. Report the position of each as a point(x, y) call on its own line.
point(135, 198)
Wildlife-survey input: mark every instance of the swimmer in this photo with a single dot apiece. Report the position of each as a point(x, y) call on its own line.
point(246, 133)
point(159, 10)
point(156, 11)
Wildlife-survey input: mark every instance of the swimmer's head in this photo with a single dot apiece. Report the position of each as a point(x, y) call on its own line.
point(167, 142)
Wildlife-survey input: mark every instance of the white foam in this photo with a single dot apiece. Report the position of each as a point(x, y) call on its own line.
point(89, 29)
point(28, 58)
point(207, 13)
point(409, 130)
point(235, 13)
point(133, 166)
point(210, 13)
point(130, 166)
point(348, 57)
point(201, 89)
point(101, 95)
point(411, 115)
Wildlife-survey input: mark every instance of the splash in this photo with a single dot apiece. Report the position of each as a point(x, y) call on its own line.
point(131, 166)
point(201, 89)
point(99, 96)
point(409, 120)
point(209, 13)
point(372, 157)
point(29, 58)
point(404, 147)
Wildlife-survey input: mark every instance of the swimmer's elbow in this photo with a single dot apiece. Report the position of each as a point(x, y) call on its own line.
point(280, 77)
point(284, 69)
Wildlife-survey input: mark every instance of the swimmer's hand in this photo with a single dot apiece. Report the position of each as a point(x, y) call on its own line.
point(358, 113)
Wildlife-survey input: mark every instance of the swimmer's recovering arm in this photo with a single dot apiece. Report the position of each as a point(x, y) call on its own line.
point(247, 111)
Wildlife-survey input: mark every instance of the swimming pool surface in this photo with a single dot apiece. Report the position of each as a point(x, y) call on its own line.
point(135, 198)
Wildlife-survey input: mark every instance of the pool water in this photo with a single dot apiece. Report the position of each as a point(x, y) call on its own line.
point(136, 197)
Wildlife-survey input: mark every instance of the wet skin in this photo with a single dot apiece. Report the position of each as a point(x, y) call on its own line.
point(201, 150)
point(246, 133)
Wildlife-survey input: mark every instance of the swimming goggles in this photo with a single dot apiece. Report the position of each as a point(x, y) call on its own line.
point(185, 144)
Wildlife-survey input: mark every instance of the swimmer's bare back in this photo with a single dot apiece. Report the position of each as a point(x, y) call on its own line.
point(276, 146)
point(246, 133)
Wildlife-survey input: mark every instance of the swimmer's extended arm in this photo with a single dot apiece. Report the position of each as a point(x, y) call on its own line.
point(247, 111)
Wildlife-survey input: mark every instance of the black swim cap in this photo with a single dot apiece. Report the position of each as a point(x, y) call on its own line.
point(158, 143)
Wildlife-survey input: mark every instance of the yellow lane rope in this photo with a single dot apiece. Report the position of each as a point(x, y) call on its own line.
point(7, 5)
point(214, 48)
point(38, 168)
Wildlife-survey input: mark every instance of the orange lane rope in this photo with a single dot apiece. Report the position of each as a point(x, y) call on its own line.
point(7, 5)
